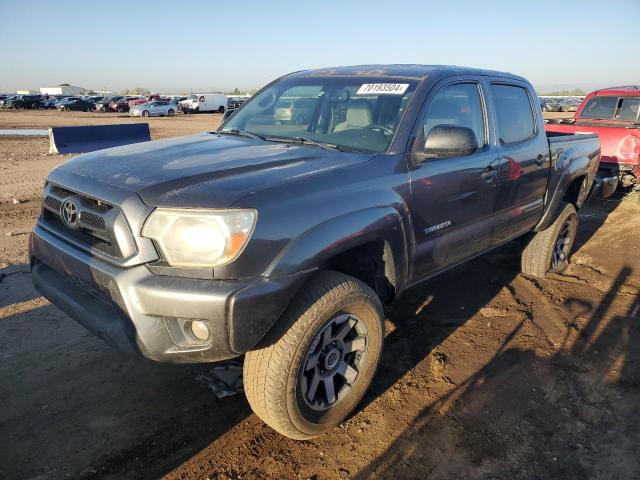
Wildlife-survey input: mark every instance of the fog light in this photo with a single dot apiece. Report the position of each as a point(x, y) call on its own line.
point(200, 330)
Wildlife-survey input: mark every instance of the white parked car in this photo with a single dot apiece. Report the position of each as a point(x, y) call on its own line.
point(157, 108)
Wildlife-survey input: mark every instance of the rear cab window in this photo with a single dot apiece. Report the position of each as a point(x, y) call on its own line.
point(514, 115)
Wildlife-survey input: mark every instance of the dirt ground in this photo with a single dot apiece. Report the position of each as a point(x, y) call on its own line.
point(485, 374)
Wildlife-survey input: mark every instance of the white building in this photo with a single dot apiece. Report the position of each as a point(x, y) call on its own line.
point(63, 89)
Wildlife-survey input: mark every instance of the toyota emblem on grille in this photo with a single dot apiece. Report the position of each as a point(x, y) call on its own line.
point(70, 213)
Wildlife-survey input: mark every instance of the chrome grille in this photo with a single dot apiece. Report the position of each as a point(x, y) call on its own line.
point(100, 226)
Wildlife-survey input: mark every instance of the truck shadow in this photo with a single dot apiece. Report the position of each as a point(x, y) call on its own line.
point(454, 297)
point(530, 415)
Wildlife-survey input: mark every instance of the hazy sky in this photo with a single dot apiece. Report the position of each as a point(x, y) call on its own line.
point(198, 45)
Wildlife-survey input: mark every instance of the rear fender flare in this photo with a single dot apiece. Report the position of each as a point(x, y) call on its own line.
point(567, 168)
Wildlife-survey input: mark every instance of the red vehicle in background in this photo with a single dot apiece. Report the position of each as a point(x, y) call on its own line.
point(614, 115)
point(148, 98)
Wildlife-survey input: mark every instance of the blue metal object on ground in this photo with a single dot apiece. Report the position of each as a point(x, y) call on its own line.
point(96, 137)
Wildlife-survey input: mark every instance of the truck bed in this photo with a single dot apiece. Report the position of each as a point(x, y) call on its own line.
point(619, 142)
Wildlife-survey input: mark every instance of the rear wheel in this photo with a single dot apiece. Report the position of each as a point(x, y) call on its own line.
point(315, 367)
point(548, 251)
point(171, 112)
point(221, 109)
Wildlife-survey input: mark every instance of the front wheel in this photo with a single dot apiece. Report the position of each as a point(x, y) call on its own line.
point(314, 368)
point(145, 113)
point(171, 112)
point(548, 251)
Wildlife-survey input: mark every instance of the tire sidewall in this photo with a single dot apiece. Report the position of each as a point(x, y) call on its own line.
point(369, 311)
point(568, 211)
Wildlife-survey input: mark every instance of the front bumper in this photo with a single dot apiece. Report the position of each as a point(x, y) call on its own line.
point(137, 311)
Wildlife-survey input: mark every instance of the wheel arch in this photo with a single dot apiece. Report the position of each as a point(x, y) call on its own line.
point(368, 244)
point(572, 168)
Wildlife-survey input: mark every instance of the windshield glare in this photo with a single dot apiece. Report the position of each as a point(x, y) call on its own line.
point(353, 113)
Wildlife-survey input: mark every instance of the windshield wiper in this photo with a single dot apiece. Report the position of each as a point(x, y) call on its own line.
point(242, 133)
point(302, 141)
point(326, 146)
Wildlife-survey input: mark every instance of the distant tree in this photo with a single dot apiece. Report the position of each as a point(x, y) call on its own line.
point(137, 91)
point(576, 92)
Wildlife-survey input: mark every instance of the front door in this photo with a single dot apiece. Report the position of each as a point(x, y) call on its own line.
point(452, 199)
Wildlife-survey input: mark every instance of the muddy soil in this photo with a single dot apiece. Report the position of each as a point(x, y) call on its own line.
point(486, 373)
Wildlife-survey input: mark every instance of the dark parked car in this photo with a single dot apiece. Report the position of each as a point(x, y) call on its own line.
point(102, 105)
point(235, 102)
point(51, 102)
point(119, 104)
point(569, 105)
point(4, 100)
point(283, 242)
point(23, 101)
point(77, 104)
point(551, 106)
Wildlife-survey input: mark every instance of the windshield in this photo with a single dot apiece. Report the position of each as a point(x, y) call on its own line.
point(354, 113)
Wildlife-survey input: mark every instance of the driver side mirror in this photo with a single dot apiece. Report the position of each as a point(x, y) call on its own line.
point(446, 141)
point(227, 114)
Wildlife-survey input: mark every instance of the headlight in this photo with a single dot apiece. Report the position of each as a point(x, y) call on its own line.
point(200, 238)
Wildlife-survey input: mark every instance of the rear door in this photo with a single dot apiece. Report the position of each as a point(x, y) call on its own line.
point(524, 158)
point(452, 199)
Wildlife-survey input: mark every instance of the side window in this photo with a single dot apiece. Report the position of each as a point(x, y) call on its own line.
point(600, 107)
point(459, 105)
point(513, 113)
point(628, 108)
point(201, 99)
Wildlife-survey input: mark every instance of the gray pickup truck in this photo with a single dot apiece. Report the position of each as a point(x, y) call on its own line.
point(282, 241)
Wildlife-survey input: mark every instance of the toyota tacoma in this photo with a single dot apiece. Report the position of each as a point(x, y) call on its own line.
point(283, 241)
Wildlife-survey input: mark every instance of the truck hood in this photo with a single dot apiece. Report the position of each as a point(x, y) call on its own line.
point(205, 170)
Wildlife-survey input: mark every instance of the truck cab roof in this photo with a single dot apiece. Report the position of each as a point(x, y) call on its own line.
point(628, 90)
point(409, 71)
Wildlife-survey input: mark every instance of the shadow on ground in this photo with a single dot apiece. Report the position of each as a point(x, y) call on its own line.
point(76, 408)
point(563, 416)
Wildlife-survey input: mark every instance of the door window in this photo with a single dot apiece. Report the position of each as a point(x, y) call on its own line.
point(514, 115)
point(628, 108)
point(459, 105)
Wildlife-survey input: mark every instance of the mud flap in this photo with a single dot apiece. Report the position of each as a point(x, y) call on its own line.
point(97, 137)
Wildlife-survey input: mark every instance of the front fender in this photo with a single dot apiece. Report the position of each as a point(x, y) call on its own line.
point(316, 246)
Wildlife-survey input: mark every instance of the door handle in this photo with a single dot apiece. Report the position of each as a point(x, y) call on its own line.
point(489, 174)
point(540, 160)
